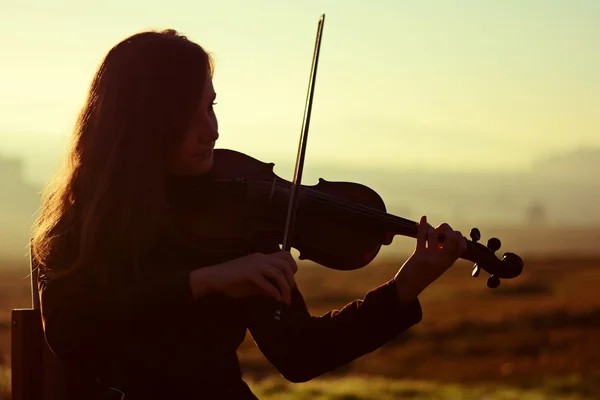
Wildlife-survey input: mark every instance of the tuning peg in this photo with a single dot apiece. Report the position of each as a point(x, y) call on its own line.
point(493, 282)
point(476, 270)
point(494, 244)
point(475, 234)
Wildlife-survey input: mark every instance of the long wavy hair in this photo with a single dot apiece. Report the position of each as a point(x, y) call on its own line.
point(106, 206)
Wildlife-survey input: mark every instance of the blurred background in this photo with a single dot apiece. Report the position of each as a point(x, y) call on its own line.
point(480, 114)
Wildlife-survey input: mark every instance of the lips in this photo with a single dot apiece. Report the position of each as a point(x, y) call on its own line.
point(204, 154)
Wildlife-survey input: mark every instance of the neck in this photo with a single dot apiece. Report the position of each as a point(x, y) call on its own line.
point(181, 187)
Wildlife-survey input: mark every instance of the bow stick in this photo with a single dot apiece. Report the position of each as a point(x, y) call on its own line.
point(297, 182)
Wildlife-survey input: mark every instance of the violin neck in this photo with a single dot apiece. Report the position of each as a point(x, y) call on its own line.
point(400, 226)
point(404, 227)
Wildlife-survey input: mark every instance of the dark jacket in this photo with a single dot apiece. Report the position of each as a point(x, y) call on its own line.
point(154, 341)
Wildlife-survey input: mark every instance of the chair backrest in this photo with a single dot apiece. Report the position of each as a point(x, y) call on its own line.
point(37, 374)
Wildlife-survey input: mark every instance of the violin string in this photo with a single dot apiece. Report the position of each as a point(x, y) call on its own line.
point(361, 209)
point(325, 198)
point(381, 216)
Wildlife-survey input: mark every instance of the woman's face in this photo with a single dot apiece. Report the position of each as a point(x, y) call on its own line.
point(195, 154)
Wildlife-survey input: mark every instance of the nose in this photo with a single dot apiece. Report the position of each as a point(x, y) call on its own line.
point(210, 135)
point(207, 132)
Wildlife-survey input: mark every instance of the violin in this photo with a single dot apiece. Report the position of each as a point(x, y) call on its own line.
point(338, 225)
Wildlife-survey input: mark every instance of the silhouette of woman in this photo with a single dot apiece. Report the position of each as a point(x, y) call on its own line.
point(125, 300)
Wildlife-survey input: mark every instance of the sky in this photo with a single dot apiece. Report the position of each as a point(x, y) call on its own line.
point(447, 85)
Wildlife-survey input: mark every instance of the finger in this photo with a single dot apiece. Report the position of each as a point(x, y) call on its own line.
point(281, 280)
point(284, 261)
point(422, 234)
point(267, 287)
point(450, 242)
point(432, 238)
point(275, 274)
point(287, 269)
point(443, 230)
point(292, 262)
point(461, 245)
point(388, 238)
point(287, 256)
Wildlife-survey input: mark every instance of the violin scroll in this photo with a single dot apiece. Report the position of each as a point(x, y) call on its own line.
point(484, 257)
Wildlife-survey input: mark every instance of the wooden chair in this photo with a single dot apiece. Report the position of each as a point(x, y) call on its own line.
point(37, 374)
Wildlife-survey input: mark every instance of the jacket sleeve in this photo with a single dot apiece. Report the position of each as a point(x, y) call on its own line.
point(99, 329)
point(303, 347)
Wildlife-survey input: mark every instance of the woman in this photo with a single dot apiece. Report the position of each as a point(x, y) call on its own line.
point(128, 296)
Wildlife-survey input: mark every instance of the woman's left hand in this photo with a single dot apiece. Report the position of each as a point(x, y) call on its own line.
point(429, 260)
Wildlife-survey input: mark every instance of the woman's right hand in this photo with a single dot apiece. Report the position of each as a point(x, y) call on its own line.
point(254, 274)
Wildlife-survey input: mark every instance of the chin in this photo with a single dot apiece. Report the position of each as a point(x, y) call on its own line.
point(193, 166)
point(203, 166)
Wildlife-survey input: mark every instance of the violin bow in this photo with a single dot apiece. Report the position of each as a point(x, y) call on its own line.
point(297, 182)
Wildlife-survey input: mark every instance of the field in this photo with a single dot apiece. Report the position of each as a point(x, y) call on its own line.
point(535, 337)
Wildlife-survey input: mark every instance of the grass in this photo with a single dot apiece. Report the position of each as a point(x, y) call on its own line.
point(534, 338)
point(4, 383)
point(376, 388)
point(357, 388)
